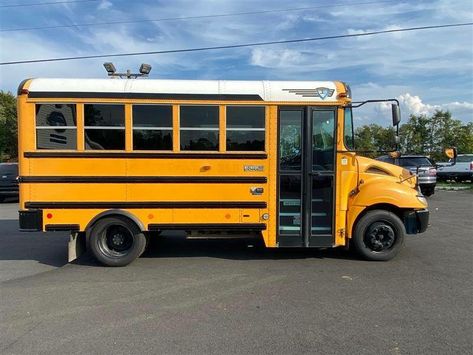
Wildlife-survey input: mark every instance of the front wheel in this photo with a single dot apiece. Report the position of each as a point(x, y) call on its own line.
point(378, 235)
point(428, 191)
point(116, 241)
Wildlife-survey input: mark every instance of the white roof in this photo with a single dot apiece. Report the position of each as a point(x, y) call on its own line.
point(312, 91)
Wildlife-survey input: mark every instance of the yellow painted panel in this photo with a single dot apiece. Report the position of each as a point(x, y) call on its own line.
point(193, 192)
point(78, 192)
point(249, 216)
point(206, 215)
point(79, 167)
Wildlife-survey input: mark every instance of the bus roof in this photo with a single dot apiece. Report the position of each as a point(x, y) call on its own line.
point(278, 91)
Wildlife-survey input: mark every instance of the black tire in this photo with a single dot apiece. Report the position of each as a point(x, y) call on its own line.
point(116, 241)
point(378, 235)
point(428, 191)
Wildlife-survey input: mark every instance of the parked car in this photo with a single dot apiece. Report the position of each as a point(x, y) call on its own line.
point(422, 166)
point(461, 171)
point(8, 180)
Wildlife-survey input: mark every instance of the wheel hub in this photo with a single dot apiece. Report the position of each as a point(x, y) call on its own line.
point(117, 239)
point(380, 236)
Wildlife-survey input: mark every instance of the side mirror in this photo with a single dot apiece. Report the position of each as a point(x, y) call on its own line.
point(396, 112)
point(451, 153)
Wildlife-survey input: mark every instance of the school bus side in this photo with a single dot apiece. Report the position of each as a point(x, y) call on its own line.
point(224, 190)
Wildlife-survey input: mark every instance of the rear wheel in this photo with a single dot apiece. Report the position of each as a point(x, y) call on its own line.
point(116, 241)
point(378, 235)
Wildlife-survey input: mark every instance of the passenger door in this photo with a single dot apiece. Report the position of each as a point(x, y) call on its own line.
point(306, 176)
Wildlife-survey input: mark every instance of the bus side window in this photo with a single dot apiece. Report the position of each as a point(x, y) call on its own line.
point(56, 126)
point(152, 127)
point(245, 128)
point(199, 126)
point(104, 127)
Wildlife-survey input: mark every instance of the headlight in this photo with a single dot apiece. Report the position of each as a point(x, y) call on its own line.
point(422, 199)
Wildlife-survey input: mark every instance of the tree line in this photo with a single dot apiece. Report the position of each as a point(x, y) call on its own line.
point(421, 134)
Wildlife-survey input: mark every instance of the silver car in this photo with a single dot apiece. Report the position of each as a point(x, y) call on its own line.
point(420, 165)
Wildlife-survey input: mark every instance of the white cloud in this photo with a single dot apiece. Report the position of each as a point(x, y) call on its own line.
point(104, 5)
point(413, 105)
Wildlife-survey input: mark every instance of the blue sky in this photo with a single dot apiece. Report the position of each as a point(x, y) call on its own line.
point(426, 70)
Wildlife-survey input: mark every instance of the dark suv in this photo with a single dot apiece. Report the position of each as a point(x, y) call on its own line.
point(8, 180)
point(419, 165)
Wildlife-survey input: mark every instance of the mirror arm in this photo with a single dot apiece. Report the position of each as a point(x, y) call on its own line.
point(361, 103)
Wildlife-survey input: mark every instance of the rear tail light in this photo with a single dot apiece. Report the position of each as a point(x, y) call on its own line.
point(471, 165)
point(432, 172)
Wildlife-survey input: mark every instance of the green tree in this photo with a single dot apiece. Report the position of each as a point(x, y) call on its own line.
point(429, 135)
point(8, 127)
point(372, 138)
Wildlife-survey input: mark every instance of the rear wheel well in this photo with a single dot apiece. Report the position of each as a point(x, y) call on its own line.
point(115, 213)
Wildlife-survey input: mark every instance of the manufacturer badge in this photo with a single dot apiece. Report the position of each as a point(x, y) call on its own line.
point(253, 168)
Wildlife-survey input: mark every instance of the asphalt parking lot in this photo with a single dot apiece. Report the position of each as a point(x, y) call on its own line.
point(222, 297)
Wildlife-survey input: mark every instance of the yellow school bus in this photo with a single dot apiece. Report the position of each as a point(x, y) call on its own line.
point(113, 161)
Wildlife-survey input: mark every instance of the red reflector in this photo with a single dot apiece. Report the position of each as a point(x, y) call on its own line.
point(24, 92)
point(49, 215)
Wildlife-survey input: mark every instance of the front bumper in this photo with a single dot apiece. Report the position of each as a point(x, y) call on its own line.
point(416, 221)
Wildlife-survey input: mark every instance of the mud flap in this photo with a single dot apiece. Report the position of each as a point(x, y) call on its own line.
point(76, 246)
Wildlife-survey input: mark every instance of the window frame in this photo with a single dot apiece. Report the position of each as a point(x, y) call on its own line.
point(76, 127)
point(97, 128)
point(154, 128)
point(252, 129)
point(217, 129)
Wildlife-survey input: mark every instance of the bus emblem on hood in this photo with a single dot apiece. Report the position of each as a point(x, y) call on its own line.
point(321, 92)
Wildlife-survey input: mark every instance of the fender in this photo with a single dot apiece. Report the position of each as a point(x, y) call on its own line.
point(381, 191)
point(115, 212)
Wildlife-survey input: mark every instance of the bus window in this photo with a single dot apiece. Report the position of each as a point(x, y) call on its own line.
point(348, 129)
point(290, 140)
point(152, 127)
point(199, 127)
point(56, 126)
point(245, 128)
point(104, 127)
point(323, 130)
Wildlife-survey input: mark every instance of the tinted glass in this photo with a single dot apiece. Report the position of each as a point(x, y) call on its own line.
point(290, 140)
point(199, 140)
point(152, 139)
point(55, 115)
point(56, 138)
point(323, 129)
point(415, 161)
point(321, 205)
point(152, 116)
point(245, 140)
point(245, 117)
point(8, 169)
point(199, 116)
point(290, 204)
point(104, 115)
point(105, 139)
point(386, 159)
point(464, 158)
point(349, 139)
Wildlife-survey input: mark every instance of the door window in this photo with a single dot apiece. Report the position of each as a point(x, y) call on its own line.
point(323, 129)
